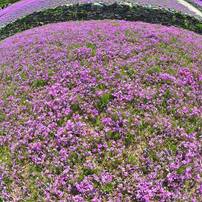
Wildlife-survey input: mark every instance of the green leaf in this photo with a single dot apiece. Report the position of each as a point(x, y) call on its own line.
point(132, 159)
point(154, 69)
point(5, 155)
point(39, 83)
point(103, 101)
point(153, 156)
point(129, 139)
point(92, 46)
point(75, 107)
point(88, 171)
point(114, 135)
point(181, 169)
point(199, 26)
point(108, 188)
point(2, 116)
point(171, 145)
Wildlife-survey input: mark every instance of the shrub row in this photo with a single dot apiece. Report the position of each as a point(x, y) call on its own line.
point(131, 12)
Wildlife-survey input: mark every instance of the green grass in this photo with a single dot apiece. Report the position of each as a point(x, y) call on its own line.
point(92, 47)
point(5, 155)
point(39, 83)
point(103, 101)
point(2, 116)
point(108, 188)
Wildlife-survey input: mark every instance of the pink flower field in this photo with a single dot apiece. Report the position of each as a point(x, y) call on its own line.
point(101, 111)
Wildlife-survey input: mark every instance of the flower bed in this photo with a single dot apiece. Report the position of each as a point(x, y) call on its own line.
point(100, 111)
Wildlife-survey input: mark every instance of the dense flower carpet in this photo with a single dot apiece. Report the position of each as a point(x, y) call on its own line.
point(101, 111)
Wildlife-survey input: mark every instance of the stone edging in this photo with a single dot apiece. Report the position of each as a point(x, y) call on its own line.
point(95, 11)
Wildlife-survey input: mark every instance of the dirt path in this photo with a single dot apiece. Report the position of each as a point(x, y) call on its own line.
point(190, 7)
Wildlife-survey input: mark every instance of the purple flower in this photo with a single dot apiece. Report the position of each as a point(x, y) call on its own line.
point(106, 177)
point(167, 77)
point(119, 121)
point(85, 186)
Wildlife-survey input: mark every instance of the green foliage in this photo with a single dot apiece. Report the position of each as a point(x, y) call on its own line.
point(132, 159)
point(63, 120)
point(171, 145)
point(154, 69)
point(92, 46)
point(10, 91)
point(109, 162)
point(38, 83)
point(114, 135)
point(5, 155)
point(129, 71)
point(2, 133)
point(86, 172)
point(75, 158)
point(171, 71)
point(103, 101)
point(56, 170)
point(95, 121)
point(108, 188)
point(35, 169)
point(199, 26)
point(70, 86)
point(181, 169)
point(75, 107)
point(35, 175)
point(8, 78)
point(193, 124)
point(167, 95)
point(173, 39)
point(2, 116)
point(129, 139)
point(23, 76)
point(144, 129)
point(8, 181)
point(101, 86)
point(152, 155)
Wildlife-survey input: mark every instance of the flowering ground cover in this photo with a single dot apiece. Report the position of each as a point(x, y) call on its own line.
point(26, 7)
point(101, 111)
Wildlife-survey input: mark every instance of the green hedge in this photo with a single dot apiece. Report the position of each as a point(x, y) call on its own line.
point(131, 12)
